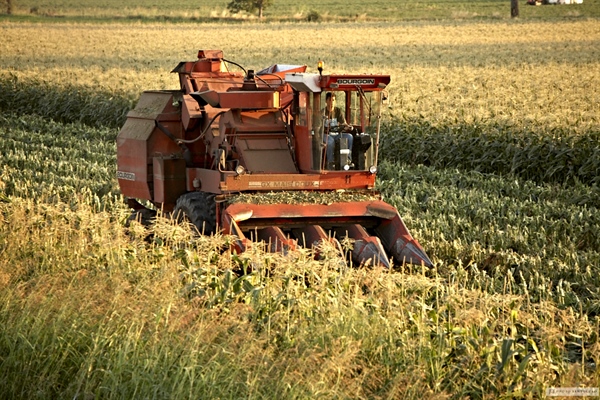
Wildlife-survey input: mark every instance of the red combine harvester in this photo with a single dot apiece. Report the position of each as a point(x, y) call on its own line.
point(265, 156)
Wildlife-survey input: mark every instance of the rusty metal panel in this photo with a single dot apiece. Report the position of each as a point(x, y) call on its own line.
point(336, 180)
point(222, 182)
point(169, 179)
point(400, 244)
point(152, 104)
point(215, 54)
point(266, 155)
point(238, 99)
point(270, 182)
point(135, 182)
point(240, 211)
point(190, 112)
point(206, 180)
point(132, 159)
point(136, 129)
point(275, 238)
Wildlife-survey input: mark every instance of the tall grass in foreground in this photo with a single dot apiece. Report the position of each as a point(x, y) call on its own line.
point(90, 309)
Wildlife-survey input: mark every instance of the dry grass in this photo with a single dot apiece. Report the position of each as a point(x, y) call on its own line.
point(98, 310)
point(444, 72)
point(98, 317)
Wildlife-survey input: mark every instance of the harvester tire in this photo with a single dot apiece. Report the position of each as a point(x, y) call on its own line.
point(199, 209)
point(144, 216)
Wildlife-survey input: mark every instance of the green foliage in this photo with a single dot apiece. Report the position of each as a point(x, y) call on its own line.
point(235, 6)
point(542, 235)
point(491, 147)
point(292, 10)
point(313, 16)
point(65, 103)
point(41, 158)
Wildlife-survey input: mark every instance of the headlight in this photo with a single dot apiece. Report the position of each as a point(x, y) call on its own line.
point(373, 169)
point(240, 170)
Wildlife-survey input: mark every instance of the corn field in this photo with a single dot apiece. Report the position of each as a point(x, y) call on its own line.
point(490, 154)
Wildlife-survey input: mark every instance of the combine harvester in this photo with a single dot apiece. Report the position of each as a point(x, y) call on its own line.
point(258, 156)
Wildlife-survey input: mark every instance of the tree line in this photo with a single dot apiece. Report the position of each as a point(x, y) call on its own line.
point(250, 6)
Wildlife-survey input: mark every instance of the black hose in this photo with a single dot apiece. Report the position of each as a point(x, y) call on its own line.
point(234, 63)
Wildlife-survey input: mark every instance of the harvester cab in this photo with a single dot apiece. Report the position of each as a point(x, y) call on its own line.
point(340, 116)
point(267, 157)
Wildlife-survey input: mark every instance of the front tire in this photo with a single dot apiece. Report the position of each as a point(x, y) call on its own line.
point(144, 216)
point(199, 209)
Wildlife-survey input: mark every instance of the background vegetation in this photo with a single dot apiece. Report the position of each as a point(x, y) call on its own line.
point(491, 157)
point(294, 11)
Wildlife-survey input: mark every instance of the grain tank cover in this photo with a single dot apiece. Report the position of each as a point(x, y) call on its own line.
point(275, 68)
point(304, 82)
